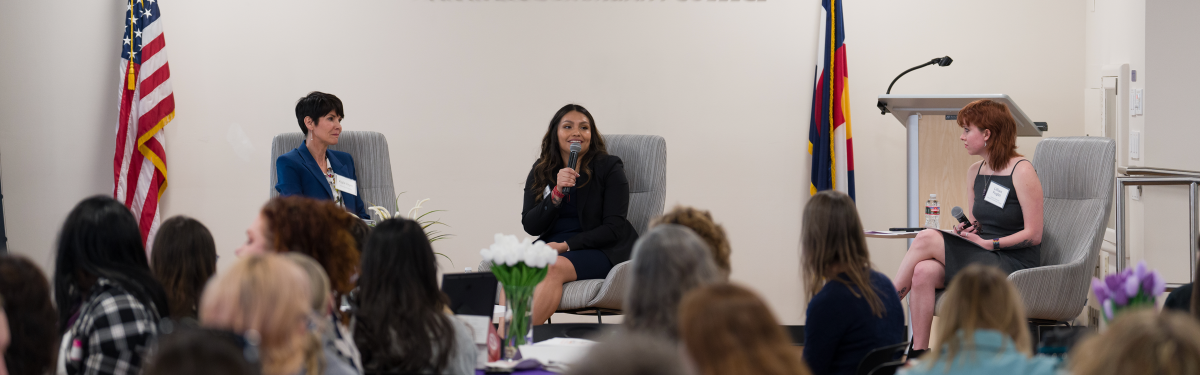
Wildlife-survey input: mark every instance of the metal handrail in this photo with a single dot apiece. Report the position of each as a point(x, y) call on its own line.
point(1151, 177)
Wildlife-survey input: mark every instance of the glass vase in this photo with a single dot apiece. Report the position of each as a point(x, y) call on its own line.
point(519, 321)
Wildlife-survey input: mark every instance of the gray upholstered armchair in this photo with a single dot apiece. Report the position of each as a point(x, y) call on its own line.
point(645, 159)
point(1077, 175)
point(372, 163)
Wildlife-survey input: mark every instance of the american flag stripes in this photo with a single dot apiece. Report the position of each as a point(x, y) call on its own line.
point(147, 105)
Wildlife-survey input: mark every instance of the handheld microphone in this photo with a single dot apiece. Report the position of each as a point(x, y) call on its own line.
point(575, 147)
point(958, 214)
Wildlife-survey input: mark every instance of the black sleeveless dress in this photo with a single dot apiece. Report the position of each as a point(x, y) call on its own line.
point(994, 222)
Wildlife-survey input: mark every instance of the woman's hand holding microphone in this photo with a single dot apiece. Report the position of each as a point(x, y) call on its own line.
point(566, 178)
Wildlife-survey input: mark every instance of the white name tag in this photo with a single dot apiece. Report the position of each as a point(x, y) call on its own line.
point(546, 193)
point(345, 184)
point(996, 194)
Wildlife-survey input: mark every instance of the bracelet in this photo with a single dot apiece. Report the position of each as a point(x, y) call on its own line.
point(996, 244)
point(557, 193)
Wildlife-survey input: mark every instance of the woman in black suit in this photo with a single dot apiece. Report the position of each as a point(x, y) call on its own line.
point(586, 224)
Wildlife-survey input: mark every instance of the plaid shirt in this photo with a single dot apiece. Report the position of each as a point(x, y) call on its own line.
point(114, 331)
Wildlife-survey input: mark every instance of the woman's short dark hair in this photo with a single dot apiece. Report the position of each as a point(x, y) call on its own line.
point(101, 239)
point(31, 317)
point(198, 351)
point(401, 325)
point(184, 257)
point(317, 104)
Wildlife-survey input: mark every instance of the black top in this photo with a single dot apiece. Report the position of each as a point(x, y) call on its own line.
point(996, 222)
point(602, 205)
point(1180, 299)
point(567, 225)
point(840, 329)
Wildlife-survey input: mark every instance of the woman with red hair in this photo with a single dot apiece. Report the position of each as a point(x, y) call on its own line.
point(1005, 215)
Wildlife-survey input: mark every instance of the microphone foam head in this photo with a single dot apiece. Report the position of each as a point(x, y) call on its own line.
point(575, 146)
point(957, 212)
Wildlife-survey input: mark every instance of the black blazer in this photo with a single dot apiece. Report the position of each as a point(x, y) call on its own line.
point(603, 204)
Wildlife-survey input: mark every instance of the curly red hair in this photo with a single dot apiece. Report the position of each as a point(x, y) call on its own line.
point(317, 228)
point(993, 116)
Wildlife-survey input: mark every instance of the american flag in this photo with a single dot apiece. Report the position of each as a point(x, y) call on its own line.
point(147, 105)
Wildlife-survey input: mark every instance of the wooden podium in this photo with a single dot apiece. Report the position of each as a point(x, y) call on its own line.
point(937, 161)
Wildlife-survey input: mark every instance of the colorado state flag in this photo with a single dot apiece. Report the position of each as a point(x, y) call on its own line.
point(829, 140)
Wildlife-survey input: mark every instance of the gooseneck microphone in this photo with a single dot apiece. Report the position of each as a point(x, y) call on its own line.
point(940, 61)
point(575, 147)
point(958, 214)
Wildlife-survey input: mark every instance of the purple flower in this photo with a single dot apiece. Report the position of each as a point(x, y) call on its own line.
point(1108, 310)
point(1131, 287)
point(1101, 290)
point(1153, 284)
point(1139, 272)
point(1116, 288)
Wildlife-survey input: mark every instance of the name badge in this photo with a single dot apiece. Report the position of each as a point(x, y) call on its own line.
point(345, 184)
point(996, 194)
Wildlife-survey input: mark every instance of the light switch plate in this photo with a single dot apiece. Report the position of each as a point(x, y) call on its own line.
point(1141, 100)
point(1135, 141)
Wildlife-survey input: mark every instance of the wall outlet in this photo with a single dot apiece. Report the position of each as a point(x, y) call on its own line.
point(1135, 141)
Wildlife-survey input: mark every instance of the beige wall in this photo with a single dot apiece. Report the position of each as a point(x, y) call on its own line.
point(463, 91)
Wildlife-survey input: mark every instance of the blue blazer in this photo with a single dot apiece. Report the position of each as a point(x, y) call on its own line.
point(298, 174)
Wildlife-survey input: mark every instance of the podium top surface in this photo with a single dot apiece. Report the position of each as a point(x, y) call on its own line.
point(904, 105)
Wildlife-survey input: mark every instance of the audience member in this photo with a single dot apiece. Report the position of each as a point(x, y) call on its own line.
point(266, 298)
point(629, 353)
point(109, 303)
point(1141, 342)
point(728, 329)
point(317, 228)
point(701, 222)
point(983, 329)
point(852, 308)
point(183, 258)
point(668, 261)
point(402, 324)
point(1181, 299)
point(26, 295)
point(333, 347)
point(195, 351)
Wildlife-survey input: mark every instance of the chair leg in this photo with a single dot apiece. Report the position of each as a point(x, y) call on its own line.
point(548, 321)
point(599, 319)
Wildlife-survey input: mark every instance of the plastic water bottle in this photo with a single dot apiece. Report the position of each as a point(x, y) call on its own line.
point(932, 213)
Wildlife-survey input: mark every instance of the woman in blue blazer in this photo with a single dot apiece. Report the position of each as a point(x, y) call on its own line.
point(301, 172)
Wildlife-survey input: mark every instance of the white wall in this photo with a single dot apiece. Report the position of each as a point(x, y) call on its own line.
point(464, 90)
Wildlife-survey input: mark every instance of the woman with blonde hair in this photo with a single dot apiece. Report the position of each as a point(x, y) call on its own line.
point(331, 349)
point(728, 329)
point(701, 222)
point(983, 329)
point(852, 309)
point(265, 298)
point(1142, 342)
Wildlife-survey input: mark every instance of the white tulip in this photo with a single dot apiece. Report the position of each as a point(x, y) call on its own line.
point(486, 254)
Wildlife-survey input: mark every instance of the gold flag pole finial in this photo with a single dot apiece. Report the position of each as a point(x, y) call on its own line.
point(132, 79)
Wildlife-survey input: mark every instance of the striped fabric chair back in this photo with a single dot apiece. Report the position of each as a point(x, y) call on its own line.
point(645, 159)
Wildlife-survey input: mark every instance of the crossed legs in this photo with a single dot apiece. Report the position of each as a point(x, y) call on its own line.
point(921, 272)
point(548, 293)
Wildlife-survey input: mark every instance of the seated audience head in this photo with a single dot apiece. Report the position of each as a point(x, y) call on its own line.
point(317, 228)
point(318, 282)
point(196, 351)
point(728, 329)
point(979, 297)
point(701, 222)
point(100, 240)
point(31, 317)
point(834, 248)
point(318, 108)
point(669, 261)
point(359, 230)
point(630, 353)
point(264, 297)
point(401, 321)
point(572, 122)
point(183, 258)
point(1141, 342)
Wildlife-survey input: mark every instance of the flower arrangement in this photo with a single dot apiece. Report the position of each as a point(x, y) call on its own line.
point(415, 215)
point(519, 266)
point(1130, 289)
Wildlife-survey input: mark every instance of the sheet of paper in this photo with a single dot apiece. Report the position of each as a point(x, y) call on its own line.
point(478, 325)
